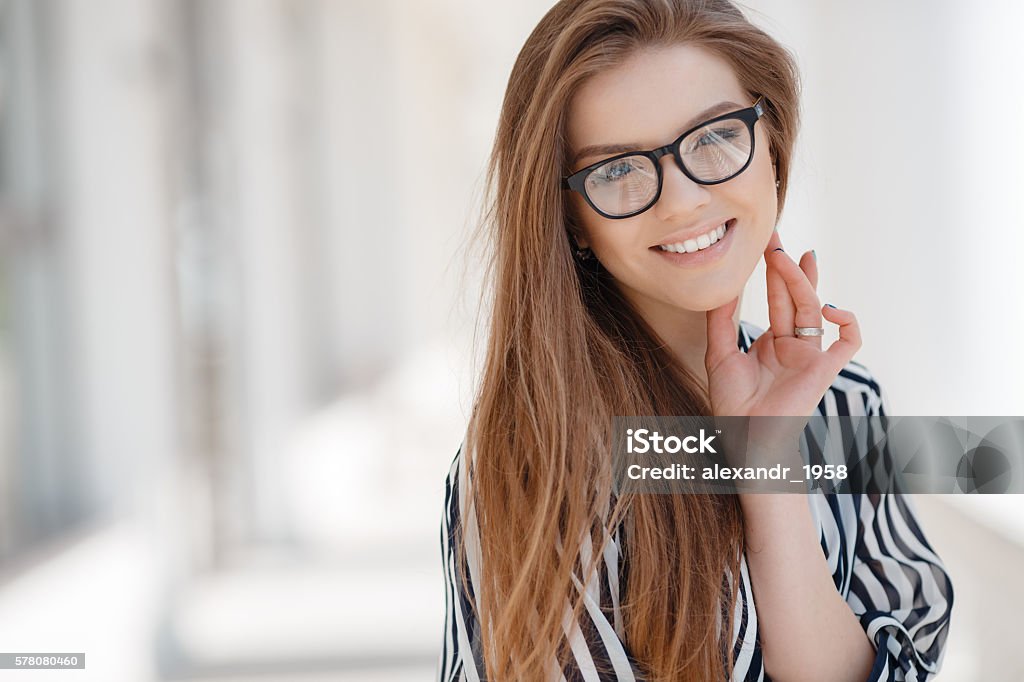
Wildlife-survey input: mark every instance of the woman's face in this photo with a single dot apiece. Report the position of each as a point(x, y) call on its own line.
point(647, 102)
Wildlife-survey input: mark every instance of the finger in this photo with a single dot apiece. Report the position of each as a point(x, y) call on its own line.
point(842, 349)
point(721, 334)
point(809, 264)
point(780, 304)
point(805, 299)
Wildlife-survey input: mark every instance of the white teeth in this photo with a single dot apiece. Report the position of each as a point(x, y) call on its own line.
point(701, 242)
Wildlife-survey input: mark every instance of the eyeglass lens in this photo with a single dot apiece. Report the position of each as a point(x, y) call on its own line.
point(712, 153)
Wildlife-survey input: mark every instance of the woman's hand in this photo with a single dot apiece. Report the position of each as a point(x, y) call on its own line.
point(781, 374)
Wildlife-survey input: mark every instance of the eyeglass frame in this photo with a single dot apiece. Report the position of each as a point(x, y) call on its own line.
point(751, 115)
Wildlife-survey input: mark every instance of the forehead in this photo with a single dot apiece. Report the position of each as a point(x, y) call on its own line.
point(650, 97)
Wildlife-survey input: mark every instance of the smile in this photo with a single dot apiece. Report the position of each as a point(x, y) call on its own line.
point(699, 243)
point(701, 250)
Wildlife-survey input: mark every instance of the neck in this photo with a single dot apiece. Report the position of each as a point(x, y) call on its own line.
point(685, 332)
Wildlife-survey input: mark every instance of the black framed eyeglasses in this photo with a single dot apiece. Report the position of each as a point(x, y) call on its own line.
point(710, 153)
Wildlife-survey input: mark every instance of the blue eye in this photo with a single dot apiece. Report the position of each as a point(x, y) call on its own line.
point(618, 170)
point(614, 171)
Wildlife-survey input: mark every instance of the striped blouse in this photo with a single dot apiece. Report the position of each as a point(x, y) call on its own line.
point(880, 561)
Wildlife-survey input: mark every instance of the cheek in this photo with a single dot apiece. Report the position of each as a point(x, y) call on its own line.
point(766, 165)
point(598, 233)
point(580, 220)
point(762, 165)
point(759, 186)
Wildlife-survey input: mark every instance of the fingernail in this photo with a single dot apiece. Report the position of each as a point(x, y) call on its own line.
point(815, 254)
point(830, 305)
point(780, 250)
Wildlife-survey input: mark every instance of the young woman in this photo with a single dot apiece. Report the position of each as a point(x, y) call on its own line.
point(638, 175)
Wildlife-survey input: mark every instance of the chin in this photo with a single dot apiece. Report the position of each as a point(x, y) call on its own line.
point(708, 302)
point(702, 305)
point(711, 306)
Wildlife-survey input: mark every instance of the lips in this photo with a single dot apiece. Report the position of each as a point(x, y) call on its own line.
point(698, 257)
point(682, 236)
point(695, 241)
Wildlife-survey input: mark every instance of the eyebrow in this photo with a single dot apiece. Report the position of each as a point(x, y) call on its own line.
point(603, 149)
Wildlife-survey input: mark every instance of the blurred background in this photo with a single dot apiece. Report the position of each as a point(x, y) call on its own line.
point(236, 310)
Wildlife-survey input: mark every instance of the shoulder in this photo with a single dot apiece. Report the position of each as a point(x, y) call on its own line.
point(457, 483)
point(451, 480)
point(454, 467)
point(855, 390)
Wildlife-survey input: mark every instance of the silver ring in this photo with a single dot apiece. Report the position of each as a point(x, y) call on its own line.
point(808, 331)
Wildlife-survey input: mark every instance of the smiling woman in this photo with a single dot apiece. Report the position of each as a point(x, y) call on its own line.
point(629, 207)
point(662, 283)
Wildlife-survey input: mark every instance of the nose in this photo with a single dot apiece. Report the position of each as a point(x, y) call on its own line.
point(680, 196)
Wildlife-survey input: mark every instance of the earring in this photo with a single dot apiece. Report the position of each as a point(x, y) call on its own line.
point(584, 253)
point(777, 182)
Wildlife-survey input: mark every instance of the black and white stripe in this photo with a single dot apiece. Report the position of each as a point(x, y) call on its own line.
point(880, 561)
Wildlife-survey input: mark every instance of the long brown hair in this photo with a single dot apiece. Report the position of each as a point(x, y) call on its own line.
point(566, 352)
